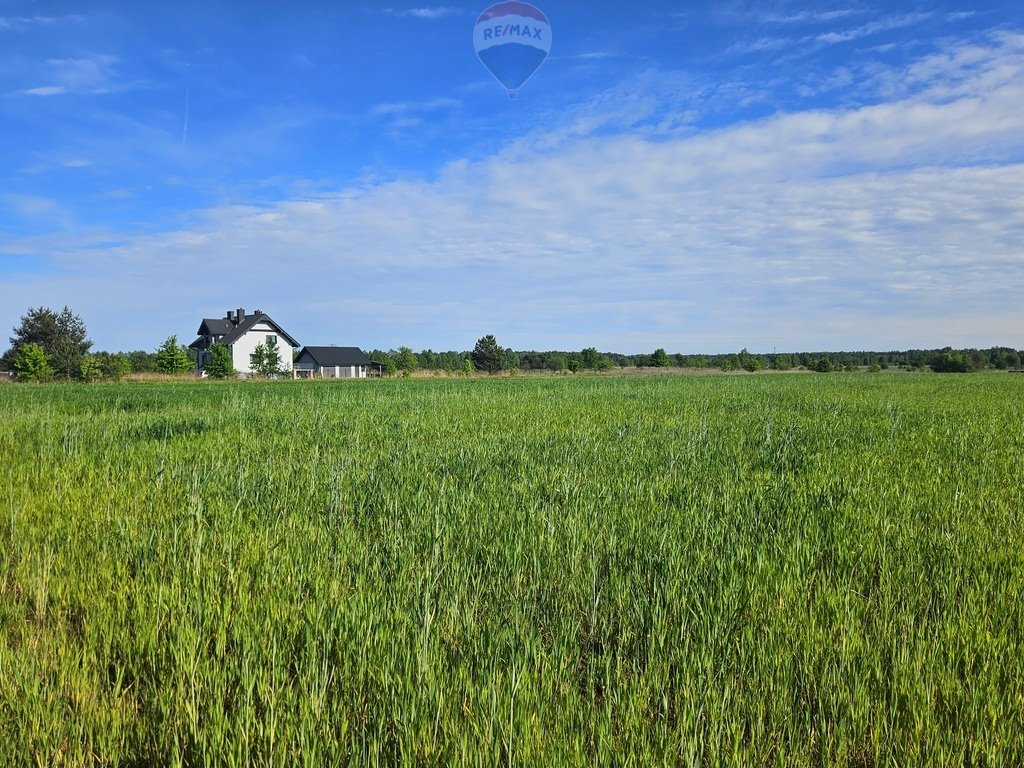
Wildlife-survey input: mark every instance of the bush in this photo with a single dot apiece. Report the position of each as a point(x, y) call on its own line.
point(31, 364)
point(90, 368)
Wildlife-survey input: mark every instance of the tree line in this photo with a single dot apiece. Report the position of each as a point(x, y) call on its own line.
point(48, 345)
point(945, 360)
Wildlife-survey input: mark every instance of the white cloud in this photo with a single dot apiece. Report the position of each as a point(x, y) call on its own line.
point(95, 74)
point(435, 12)
point(18, 23)
point(892, 225)
point(811, 17)
point(45, 90)
point(874, 28)
point(406, 107)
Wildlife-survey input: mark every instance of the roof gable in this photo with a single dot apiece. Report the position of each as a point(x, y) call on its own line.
point(218, 326)
point(238, 331)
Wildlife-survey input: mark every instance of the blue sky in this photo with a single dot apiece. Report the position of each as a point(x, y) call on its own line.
point(696, 176)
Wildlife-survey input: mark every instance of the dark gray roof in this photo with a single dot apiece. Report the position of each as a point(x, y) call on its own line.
point(215, 327)
point(328, 356)
point(231, 332)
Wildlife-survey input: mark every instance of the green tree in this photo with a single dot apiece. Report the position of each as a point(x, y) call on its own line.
point(660, 359)
point(468, 367)
point(783, 362)
point(117, 366)
point(556, 361)
point(406, 361)
point(31, 364)
point(142, 361)
point(90, 368)
point(265, 360)
point(61, 335)
point(219, 364)
point(172, 358)
point(591, 358)
point(949, 361)
point(510, 360)
point(487, 355)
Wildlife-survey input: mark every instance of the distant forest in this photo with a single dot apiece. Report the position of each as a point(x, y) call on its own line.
point(945, 360)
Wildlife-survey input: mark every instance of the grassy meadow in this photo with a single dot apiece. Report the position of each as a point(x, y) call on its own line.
point(724, 570)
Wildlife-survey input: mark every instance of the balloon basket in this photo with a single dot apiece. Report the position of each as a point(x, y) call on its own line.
point(512, 95)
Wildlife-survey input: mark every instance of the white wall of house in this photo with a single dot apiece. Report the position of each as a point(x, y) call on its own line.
point(243, 348)
point(334, 371)
point(344, 372)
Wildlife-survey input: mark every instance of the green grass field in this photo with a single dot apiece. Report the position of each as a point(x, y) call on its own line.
point(756, 570)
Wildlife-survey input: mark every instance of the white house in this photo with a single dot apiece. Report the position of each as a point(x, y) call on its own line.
point(241, 334)
point(334, 363)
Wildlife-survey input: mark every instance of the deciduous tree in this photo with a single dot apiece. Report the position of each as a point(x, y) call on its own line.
point(406, 361)
point(31, 364)
point(265, 360)
point(117, 366)
point(660, 359)
point(90, 368)
point(591, 358)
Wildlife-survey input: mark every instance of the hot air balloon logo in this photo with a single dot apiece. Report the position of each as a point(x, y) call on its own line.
point(512, 40)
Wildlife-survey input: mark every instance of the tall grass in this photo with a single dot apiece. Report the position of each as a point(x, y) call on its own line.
point(684, 571)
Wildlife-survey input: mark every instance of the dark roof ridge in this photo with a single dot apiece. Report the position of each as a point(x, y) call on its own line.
point(230, 332)
point(334, 355)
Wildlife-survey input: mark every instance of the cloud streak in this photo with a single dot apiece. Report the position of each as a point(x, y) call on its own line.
point(874, 28)
point(88, 75)
point(430, 13)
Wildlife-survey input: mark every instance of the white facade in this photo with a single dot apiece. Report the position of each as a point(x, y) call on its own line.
point(340, 371)
point(245, 345)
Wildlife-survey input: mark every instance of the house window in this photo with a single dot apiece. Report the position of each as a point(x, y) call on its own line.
point(271, 338)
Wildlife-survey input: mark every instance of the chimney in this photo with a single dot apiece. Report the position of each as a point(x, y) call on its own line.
point(240, 316)
point(230, 317)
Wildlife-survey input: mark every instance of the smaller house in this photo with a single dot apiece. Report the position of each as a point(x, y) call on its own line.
point(334, 363)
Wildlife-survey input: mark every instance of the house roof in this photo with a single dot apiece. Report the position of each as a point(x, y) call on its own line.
point(216, 327)
point(230, 332)
point(328, 356)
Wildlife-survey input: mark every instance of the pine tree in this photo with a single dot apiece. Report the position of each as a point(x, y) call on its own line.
point(487, 355)
point(172, 358)
point(62, 337)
